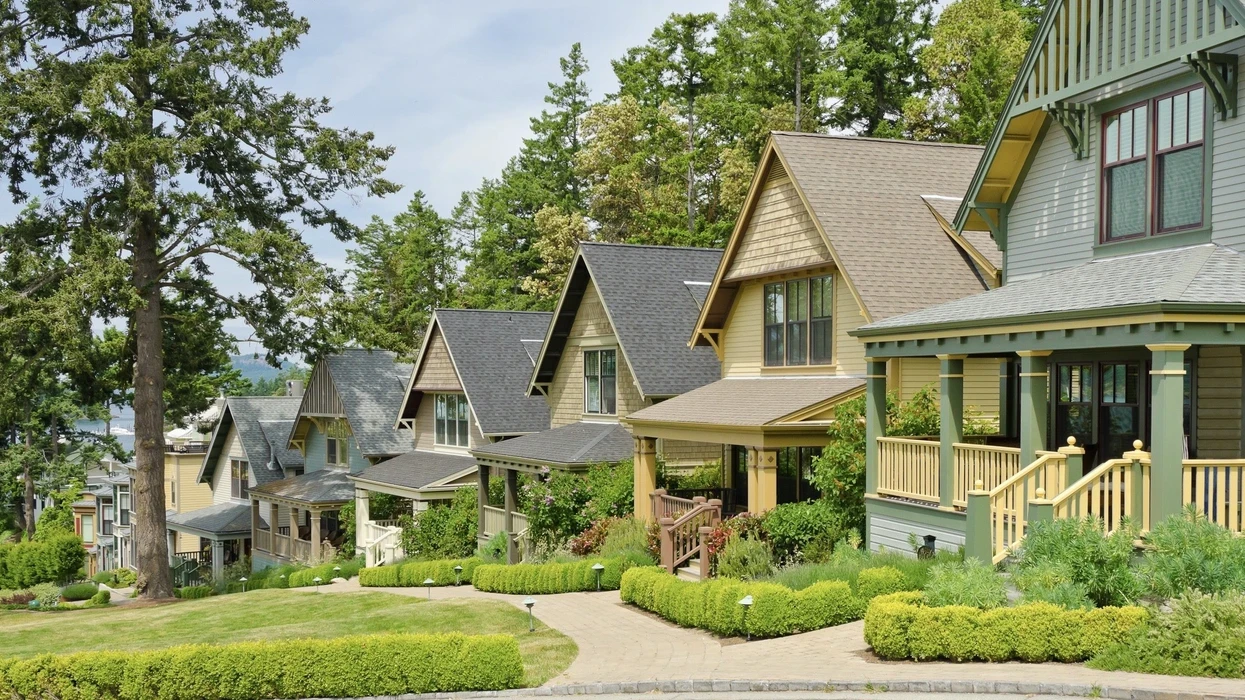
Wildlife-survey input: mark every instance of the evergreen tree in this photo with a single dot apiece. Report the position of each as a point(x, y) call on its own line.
point(160, 117)
point(876, 62)
point(560, 236)
point(549, 154)
point(401, 271)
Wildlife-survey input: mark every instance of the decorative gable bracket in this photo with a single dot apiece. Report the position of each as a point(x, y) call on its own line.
point(1218, 72)
point(1075, 122)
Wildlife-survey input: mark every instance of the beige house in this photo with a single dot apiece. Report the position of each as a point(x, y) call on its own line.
point(836, 232)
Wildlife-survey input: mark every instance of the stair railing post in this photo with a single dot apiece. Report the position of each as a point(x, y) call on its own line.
point(716, 505)
point(1041, 508)
point(667, 543)
point(704, 552)
point(1138, 496)
point(978, 543)
point(659, 510)
point(1074, 463)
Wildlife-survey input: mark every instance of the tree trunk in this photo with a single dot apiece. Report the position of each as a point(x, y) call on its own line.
point(149, 527)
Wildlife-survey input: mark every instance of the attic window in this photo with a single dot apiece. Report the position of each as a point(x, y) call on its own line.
point(799, 322)
point(451, 420)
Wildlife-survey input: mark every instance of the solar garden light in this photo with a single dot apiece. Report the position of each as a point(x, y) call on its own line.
point(243, 582)
point(598, 568)
point(747, 603)
point(529, 602)
point(316, 581)
point(428, 582)
point(337, 572)
point(458, 575)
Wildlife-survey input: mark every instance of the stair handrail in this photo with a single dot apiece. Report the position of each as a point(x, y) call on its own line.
point(667, 506)
point(1122, 488)
point(680, 538)
point(1008, 502)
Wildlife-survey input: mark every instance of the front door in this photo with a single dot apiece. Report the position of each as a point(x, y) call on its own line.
point(1099, 403)
point(1119, 408)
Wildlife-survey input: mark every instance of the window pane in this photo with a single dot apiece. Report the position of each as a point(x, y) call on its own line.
point(608, 363)
point(440, 419)
point(823, 297)
point(1126, 200)
point(797, 341)
point(1126, 136)
point(797, 300)
point(464, 421)
point(593, 397)
point(1180, 119)
point(1139, 131)
point(1197, 115)
point(1180, 188)
point(773, 303)
point(1112, 139)
point(822, 342)
point(592, 364)
point(773, 345)
point(1164, 125)
point(608, 394)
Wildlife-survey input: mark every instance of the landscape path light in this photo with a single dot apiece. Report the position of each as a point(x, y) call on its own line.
point(458, 575)
point(316, 581)
point(337, 572)
point(428, 582)
point(746, 602)
point(598, 568)
point(243, 582)
point(529, 602)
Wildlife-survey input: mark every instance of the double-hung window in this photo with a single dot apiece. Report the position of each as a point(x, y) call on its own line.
point(799, 322)
point(123, 505)
point(239, 484)
point(452, 425)
point(601, 382)
point(1152, 166)
point(336, 451)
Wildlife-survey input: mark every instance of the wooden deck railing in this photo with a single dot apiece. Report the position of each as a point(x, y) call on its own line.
point(1112, 491)
point(300, 550)
point(908, 468)
point(280, 545)
point(1216, 487)
point(681, 538)
point(666, 505)
point(982, 463)
point(1009, 500)
point(262, 540)
point(494, 521)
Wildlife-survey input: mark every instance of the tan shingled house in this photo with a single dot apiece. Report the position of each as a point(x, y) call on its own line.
point(836, 232)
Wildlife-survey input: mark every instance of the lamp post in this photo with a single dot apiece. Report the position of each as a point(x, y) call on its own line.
point(529, 602)
point(428, 582)
point(316, 581)
point(243, 582)
point(458, 575)
point(746, 602)
point(337, 572)
point(598, 568)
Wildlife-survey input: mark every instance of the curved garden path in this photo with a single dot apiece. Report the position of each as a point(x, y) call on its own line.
point(619, 643)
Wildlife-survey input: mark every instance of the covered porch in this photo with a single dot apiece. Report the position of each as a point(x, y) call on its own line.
point(312, 532)
point(1117, 411)
point(223, 531)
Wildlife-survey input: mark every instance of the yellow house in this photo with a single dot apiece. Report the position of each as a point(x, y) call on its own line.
point(836, 232)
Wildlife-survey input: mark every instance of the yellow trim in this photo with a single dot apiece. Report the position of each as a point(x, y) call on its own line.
point(1035, 374)
point(1034, 353)
point(952, 357)
point(995, 275)
point(950, 376)
point(1168, 372)
point(1057, 326)
point(1168, 347)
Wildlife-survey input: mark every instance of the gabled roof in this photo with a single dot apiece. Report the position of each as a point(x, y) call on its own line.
point(1195, 276)
point(750, 401)
point(865, 199)
point(216, 519)
point(247, 414)
point(417, 469)
point(371, 385)
point(574, 445)
point(645, 294)
point(492, 355)
point(321, 487)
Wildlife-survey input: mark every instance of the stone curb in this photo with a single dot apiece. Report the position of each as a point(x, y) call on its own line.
point(875, 686)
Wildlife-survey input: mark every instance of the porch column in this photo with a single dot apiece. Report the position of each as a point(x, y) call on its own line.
point(482, 475)
point(644, 463)
point(172, 545)
point(951, 424)
point(751, 470)
point(362, 515)
point(1034, 400)
point(218, 560)
point(273, 517)
point(875, 419)
point(767, 480)
point(293, 529)
point(255, 519)
point(1166, 430)
point(315, 536)
point(512, 501)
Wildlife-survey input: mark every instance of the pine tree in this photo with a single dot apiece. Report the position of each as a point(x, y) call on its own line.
point(876, 62)
point(549, 154)
point(161, 118)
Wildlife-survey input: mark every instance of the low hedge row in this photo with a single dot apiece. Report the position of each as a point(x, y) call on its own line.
point(901, 626)
point(414, 573)
point(307, 577)
point(192, 592)
point(714, 605)
point(555, 577)
point(390, 664)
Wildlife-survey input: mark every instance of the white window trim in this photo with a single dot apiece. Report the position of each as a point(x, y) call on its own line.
point(445, 446)
point(584, 373)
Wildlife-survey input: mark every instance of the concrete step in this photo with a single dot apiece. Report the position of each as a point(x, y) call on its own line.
point(691, 572)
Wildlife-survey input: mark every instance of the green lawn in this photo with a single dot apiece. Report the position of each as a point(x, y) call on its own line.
point(278, 614)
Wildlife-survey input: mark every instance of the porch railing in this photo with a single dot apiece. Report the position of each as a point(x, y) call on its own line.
point(494, 521)
point(666, 505)
point(1216, 487)
point(908, 468)
point(1112, 491)
point(385, 549)
point(300, 550)
point(1008, 501)
point(262, 540)
point(982, 463)
point(681, 537)
point(280, 546)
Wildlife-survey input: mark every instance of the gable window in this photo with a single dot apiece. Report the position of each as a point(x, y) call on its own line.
point(799, 322)
point(337, 451)
point(601, 382)
point(1152, 166)
point(239, 484)
point(87, 528)
point(451, 420)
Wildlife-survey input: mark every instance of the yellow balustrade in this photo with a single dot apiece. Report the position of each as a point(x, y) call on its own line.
point(988, 465)
point(1215, 487)
point(1108, 494)
point(908, 468)
point(1009, 500)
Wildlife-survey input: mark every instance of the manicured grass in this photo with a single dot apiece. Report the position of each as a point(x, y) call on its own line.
point(280, 614)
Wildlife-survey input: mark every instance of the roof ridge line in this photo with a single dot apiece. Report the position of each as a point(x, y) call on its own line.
point(593, 443)
point(649, 245)
point(492, 311)
point(878, 139)
point(1179, 284)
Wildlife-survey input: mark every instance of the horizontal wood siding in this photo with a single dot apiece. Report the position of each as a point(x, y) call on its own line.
point(892, 535)
point(849, 353)
point(321, 397)
point(1219, 402)
point(682, 453)
point(1228, 181)
point(1051, 225)
point(191, 495)
point(590, 330)
point(981, 382)
point(317, 449)
point(436, 370)
point(780, 234)
point(426, 427)
point(220, 479)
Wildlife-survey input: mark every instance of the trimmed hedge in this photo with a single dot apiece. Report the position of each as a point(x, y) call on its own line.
point(55, 560)
point(901, 626)
point(79, 591)
point(192, 592)
point(880, 580)
point(307, 577)
point(714, 605)
point(414, 573)
point(388, 664)
point(557, 577)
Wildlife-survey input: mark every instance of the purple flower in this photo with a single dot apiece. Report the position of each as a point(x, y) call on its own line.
point(548, 500)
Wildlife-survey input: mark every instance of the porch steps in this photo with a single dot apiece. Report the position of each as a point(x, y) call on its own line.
point(691, 572)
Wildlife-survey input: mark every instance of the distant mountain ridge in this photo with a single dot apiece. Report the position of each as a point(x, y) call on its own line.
point(256, 368)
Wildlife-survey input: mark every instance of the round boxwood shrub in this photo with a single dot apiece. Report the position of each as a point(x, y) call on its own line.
point(79, 591)
point(879, 580)
point(101, 598)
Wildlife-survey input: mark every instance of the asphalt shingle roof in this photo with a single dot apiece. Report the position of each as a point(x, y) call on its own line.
point(644, 291)
point(747, 401)
point(982, 241)
point(247, 414)
point(866, 194)
point(218, 519)
point(1202, 274)
point(417, 469)
point(495, 366)
point(371, 385)
point(320, 486)
point(574, 444)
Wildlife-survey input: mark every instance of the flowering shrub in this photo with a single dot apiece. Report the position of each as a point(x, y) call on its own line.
point(591, 539)
point(561, 505)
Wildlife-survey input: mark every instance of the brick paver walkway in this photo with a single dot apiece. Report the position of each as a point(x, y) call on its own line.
point(620, 643)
